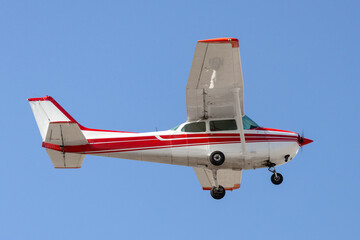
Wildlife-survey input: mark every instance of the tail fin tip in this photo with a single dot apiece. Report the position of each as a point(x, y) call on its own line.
point(49, 98)
point(47, 110)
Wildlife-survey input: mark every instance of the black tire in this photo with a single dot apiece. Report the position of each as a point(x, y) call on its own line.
point(217, 158)
point(217, 193)
point(277, 180)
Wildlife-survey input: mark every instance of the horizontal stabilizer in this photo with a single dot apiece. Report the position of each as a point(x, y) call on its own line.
point(228, 178)
point(65, 160)
point(65, 134)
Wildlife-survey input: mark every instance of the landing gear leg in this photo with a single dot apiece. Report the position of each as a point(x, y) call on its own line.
point(276, 178)
point(218, 191)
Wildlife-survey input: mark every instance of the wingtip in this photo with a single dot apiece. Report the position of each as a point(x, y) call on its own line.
point(234, 41)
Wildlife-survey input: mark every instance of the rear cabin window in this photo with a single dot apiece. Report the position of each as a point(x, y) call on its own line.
point(194, 127)
point(223, 125)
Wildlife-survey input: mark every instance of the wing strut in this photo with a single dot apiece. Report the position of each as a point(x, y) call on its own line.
point(204, 102)
point(239, 118)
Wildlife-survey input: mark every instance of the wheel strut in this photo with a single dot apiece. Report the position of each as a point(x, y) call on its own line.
point(217, 191)
point(276, 178)
point(214, 173)
point(272, 169)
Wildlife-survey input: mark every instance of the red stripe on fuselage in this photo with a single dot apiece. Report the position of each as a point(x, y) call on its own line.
point(137, 143)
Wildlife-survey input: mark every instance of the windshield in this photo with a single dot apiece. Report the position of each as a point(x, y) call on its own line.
point(248, 123)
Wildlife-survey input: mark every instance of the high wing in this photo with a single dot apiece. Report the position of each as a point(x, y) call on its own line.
point(229, 179)
point(215, 86)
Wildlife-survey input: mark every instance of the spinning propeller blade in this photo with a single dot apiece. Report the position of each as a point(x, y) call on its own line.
point(302, 140)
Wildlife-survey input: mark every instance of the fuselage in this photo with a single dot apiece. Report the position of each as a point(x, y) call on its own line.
point(263, 147)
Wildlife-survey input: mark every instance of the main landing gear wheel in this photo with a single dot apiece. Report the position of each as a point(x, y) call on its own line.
point(217, 158)
point(217, 192)
point(277, 178)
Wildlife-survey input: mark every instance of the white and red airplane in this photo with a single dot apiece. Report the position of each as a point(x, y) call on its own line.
point(218, 140)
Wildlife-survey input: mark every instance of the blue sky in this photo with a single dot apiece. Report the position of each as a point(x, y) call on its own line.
point(124, 65)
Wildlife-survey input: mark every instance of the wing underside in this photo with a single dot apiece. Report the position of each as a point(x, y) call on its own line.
point(228, 178)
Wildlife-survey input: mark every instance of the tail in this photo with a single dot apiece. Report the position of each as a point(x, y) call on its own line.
point(58, 129)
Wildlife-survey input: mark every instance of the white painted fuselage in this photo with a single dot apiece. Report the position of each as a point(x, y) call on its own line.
point(263, 147)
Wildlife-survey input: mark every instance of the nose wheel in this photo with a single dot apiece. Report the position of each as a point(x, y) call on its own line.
point(276, 178)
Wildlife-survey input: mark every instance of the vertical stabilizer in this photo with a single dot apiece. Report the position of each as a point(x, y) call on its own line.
point(47, 110)
point(58, 130)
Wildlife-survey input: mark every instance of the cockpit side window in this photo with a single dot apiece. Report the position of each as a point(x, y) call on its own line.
point(194, 127)
point(248, 123)
point(223, 125)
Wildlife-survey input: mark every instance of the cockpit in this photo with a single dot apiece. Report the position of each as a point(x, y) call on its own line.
point(216, 125)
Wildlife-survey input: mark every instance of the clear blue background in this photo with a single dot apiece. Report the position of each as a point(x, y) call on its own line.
point(124, 66)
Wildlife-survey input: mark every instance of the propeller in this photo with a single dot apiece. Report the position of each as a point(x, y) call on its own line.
point(302, 140)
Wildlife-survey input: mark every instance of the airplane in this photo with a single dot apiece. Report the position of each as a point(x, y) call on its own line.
point(218, 140)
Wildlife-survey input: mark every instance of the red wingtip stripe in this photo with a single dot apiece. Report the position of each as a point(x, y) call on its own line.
point(236, 186)
point(234, 41)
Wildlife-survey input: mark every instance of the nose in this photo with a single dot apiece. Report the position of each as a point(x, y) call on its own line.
point(303, 141)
